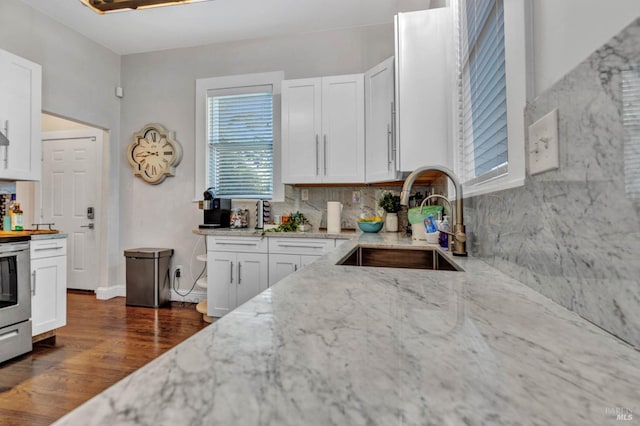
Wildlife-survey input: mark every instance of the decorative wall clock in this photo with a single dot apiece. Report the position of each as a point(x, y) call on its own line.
point(154, 153)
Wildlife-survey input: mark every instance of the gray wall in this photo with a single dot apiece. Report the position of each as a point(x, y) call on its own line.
point(574, 234)
point(160, 87)
point(79, 78)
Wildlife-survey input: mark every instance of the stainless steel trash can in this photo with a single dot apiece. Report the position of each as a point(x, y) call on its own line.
point(148, 276)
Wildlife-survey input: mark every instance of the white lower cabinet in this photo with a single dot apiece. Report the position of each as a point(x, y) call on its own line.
point(48, 284)
point(240, 268)
point(235, 276)
point(287, 255)
point(281, 265)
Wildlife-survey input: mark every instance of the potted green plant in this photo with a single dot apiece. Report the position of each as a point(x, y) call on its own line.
point(391, 205)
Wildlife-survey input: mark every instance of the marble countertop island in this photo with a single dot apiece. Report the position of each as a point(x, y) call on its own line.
point(345, 345)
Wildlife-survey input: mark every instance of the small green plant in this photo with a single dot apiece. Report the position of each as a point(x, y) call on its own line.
point(389, 203)
point(292, 225)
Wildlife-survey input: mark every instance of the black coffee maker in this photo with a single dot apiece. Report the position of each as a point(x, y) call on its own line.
point(217, 211)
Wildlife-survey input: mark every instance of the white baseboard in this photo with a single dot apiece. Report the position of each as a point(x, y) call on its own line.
point(194, 297)
point(105, 293)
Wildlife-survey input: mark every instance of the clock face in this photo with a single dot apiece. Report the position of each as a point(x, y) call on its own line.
point(153, 154)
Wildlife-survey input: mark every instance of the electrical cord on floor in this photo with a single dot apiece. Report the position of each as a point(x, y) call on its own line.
point(176, 278)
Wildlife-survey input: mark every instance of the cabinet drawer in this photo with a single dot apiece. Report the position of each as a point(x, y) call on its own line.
point(48, 248)
point(317, 246)
point(237, 244)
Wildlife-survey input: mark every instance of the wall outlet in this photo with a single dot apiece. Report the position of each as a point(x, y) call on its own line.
point(178, 271)
point(355, 196)
point(304, 194)
point(544, 154)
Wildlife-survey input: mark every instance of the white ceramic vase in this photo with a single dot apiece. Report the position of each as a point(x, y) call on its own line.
point(391, 222)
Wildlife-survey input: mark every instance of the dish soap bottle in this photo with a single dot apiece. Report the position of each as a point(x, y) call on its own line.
point(17, 215)
point(443, 238)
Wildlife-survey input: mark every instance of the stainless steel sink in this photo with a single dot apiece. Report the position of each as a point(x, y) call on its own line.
point(409, 258)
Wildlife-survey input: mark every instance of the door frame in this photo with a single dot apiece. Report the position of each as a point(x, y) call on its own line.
point(97, 136)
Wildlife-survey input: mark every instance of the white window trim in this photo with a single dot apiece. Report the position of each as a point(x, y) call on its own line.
point(519, 81)
point(205, 84)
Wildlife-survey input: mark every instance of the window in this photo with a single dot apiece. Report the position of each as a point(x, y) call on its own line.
point(482, 85)
point(491, 91)
point(240, 139)
point(238, 136)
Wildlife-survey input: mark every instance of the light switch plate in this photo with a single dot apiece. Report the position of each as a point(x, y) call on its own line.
point(304, 194)
point(544, 154)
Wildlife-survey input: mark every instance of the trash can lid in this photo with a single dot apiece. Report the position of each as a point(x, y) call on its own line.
point(149, 252)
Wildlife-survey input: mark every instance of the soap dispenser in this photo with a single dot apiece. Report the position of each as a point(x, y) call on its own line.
point(443, 238)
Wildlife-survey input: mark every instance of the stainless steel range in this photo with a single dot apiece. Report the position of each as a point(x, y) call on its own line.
point(15, 298)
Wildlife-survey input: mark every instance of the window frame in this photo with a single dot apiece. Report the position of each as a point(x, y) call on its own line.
point(519, 86)
point(203, 86)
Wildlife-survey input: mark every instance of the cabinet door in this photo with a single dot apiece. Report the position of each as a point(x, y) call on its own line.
point(342, 145)
point(221, 288)
point(48, 294)
point(423, 88)
point(20, 117)
point(301, 127)
point(307, 260)
point(281, 265)
point(379, 136)
point(252, 278)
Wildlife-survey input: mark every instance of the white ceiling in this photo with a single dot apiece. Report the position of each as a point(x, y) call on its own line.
point(218, 21)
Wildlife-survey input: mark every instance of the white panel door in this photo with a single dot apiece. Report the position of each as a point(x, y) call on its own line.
point(343, 128)
point(252, 276)
point(379, 104)
point(301, 127)
point(70, 186)
point(221, 287)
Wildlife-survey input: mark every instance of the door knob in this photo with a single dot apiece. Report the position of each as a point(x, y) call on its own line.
point(90, 226)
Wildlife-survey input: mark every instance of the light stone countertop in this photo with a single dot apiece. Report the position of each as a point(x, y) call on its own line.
point(48, 236)
point(344, 345)
point(251, 232)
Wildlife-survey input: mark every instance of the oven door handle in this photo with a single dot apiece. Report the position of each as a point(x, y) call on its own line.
point(12, 250)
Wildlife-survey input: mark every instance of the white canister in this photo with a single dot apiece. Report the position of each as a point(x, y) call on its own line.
point(334, 217)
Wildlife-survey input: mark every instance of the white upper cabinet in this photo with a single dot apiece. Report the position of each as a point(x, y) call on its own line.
point(379, 95)
point(323, 130)
point(424, 87)
point(301, 130)
point(20, 118)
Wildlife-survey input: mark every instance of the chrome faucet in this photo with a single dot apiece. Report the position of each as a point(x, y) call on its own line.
point(459, 237)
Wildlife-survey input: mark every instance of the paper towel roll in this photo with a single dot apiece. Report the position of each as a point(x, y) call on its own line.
point(334, 213)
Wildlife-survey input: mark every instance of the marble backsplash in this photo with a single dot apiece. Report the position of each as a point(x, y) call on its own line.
point(315, 207)
point(573, 234)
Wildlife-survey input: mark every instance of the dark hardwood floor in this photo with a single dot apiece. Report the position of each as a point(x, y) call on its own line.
point(104, 341)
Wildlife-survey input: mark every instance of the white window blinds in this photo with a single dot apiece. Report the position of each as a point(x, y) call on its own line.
point(240, 140)
point(482, 114)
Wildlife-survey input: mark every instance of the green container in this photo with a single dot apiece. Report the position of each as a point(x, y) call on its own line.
point(418, 214)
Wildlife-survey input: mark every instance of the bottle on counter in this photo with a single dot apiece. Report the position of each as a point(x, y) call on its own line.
point(17, 218)
point(443, 238)
point(10, 212)
point(6, 219)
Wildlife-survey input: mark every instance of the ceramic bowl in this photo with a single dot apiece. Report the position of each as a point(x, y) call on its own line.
point(372, 227)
